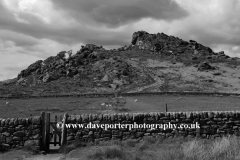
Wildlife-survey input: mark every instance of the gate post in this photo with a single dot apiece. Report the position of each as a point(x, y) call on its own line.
point(43, 140)
point(64, 130)
point(47, 133)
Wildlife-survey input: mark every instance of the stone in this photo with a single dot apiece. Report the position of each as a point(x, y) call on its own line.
point(37, 137)
point(23, 121)
point(7, 122)
point(11, 130)
point(46, 78)
point(2, 129)
point(205, 66)
point(11, 122)
point(8, 140)
point(32, 143)
point(6, 145)
point(16, 121)
point(69, 138)
point(19, 133)
point(36, 120)
point(6, 134)
point(36, 131)
point(17, 138)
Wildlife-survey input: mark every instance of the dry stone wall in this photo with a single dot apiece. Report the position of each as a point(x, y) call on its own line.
point(16, 132)
point(212, 124)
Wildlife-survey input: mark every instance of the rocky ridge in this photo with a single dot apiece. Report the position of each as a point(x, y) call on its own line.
point(95, 67)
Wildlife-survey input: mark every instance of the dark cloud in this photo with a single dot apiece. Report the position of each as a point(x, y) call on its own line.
point(116, 13)
point(19, 39)
point(6, 18)
point(70, 35)
point(37, 29)
point(89, 15)
point(209, 37)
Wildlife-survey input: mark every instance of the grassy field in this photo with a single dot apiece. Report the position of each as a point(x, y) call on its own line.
point(226, 148)
point(150, 148)
point(58, 106)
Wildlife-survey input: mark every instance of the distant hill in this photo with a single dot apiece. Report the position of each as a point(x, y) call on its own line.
point(151, 63)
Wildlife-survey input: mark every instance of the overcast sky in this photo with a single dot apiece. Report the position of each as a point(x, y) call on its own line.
point(36, 29)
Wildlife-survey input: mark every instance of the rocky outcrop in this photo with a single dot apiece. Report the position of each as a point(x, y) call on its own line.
point(92, 64)
point(163, 43)
point(32, 68)
point(106, 68)
point(57, 66)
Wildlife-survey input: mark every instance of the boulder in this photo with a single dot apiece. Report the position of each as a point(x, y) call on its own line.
point(113, 86)
point(46, 78)
point(32, 143)
point(205, 66)
point(105, 78)
point(183, 43)
point(117, 82)
point(22, 81)
point(221, 53)
point(61, 54)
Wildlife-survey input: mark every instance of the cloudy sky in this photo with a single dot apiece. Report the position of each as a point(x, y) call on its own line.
point(36, 29)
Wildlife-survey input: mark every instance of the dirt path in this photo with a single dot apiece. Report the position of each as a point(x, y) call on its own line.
point(158, 81)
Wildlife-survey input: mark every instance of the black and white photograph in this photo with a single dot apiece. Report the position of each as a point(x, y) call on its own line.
point(119, 79)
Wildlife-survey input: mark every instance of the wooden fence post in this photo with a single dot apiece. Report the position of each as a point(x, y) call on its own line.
point(47, 132)
point(43, 140)
point(64, 130)
point(55, 132)
point(60, 137)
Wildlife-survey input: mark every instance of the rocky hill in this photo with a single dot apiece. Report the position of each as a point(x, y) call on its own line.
point(152, 62)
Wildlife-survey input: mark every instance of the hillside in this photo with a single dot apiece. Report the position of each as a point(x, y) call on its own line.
point(151, 63)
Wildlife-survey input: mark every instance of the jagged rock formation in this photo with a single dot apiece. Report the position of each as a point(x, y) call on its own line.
point(58, 66)
point(90, 63)
point(163, 44)
point(55, 67)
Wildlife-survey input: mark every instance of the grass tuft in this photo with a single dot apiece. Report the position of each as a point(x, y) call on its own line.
point(108, 152)
point(225, 148)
